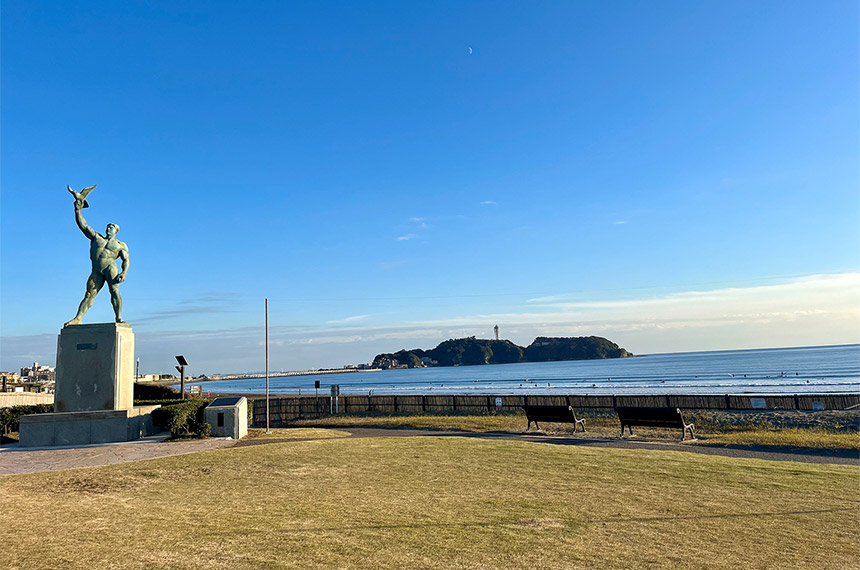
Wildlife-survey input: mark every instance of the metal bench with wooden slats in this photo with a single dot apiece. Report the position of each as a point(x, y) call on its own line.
point(558, 414)
point(653, 417)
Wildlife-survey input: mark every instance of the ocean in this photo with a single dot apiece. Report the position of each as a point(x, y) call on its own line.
point(817, 369)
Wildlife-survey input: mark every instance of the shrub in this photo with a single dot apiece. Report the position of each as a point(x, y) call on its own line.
point(183, 418)
point(11, 417)
point(204, 430)
point(154, 392)
point(168, 402)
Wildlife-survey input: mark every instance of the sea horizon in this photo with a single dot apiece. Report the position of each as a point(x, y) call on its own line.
point(779, 370)
point(261, 373)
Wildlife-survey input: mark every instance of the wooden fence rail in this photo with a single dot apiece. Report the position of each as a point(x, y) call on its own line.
point(283, 410)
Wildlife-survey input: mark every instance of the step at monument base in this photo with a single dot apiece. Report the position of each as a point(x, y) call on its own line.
point(84, 428)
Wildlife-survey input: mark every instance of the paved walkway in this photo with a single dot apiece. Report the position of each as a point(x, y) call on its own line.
point(16, 460)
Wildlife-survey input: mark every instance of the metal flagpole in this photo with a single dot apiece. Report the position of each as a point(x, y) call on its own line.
point(267, 366)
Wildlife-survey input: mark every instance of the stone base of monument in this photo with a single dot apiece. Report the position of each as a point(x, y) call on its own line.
point(94, 393)
point(84, 428)
point(95, 368)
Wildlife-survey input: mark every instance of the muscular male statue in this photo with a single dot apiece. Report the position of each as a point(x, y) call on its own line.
point(104, 251)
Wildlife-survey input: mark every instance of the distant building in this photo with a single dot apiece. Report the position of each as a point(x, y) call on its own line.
point(148, 378)
point(7, 378)
point(496, 329)
point(38, 374)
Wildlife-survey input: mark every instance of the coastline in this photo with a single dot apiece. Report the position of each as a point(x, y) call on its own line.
point(250, 376)
point(825, 370)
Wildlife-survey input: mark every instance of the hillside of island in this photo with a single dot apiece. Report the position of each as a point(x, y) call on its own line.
point(471, 351)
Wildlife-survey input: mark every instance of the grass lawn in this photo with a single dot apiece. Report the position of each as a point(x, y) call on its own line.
point(433, 502)
point(295, 433)
point(513, 423)
point(789, 437)
point(839, 432)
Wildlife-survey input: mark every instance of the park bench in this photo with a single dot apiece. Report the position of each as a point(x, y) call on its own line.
point(559, 414)
point(653, 417)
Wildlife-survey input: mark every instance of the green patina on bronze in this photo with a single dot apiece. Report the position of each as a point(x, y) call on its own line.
point(104, 251)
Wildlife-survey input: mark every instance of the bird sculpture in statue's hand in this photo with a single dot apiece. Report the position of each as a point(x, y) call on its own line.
point(82, 195)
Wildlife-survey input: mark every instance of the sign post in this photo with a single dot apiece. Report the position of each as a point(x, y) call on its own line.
point(181, 368)
point(333, 404)
point(267, 366)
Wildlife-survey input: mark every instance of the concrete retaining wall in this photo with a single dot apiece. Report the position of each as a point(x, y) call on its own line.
point(9, 399)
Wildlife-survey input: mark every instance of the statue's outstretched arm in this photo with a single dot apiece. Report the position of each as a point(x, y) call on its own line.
point(82, 223)
point(123, 255)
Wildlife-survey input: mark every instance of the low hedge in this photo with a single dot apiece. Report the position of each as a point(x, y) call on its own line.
point(154, 392)
point(168, 402)
point(183, 418)
point(11, 417)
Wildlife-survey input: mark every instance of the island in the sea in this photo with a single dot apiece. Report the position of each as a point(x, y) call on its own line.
point(471, 350)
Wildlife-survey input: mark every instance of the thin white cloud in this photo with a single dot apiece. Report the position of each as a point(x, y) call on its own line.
point(812, 310)
point(551, 298)
point(619, 223)
point(352, 319)
point(840, 292)
point(488, 203)
point(406, 237)
point(825, 298)
point(206, 304)
point(817, 309)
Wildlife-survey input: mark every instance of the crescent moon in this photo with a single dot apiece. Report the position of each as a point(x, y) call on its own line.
point(470, 51)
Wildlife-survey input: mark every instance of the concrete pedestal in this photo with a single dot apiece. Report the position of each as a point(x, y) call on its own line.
point(95, 368)
point(94, 391)
point(83, 428)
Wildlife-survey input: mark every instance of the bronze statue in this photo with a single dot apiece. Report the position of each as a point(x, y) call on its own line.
point(104, 251)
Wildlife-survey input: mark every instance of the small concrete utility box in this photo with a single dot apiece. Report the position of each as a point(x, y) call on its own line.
point(228, 417)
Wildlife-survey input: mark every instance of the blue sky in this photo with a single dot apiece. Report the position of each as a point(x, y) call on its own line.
point(671, 175)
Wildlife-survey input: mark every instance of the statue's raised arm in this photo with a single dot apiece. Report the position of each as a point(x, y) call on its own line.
point(81, 202)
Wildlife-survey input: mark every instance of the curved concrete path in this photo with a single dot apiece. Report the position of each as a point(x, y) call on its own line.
point(16, 460)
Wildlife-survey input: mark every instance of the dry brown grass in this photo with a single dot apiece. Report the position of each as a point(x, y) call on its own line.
point(295, 433)
point(475, 423)
point(789, 437)
point(433, 503)
point(715, 428)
